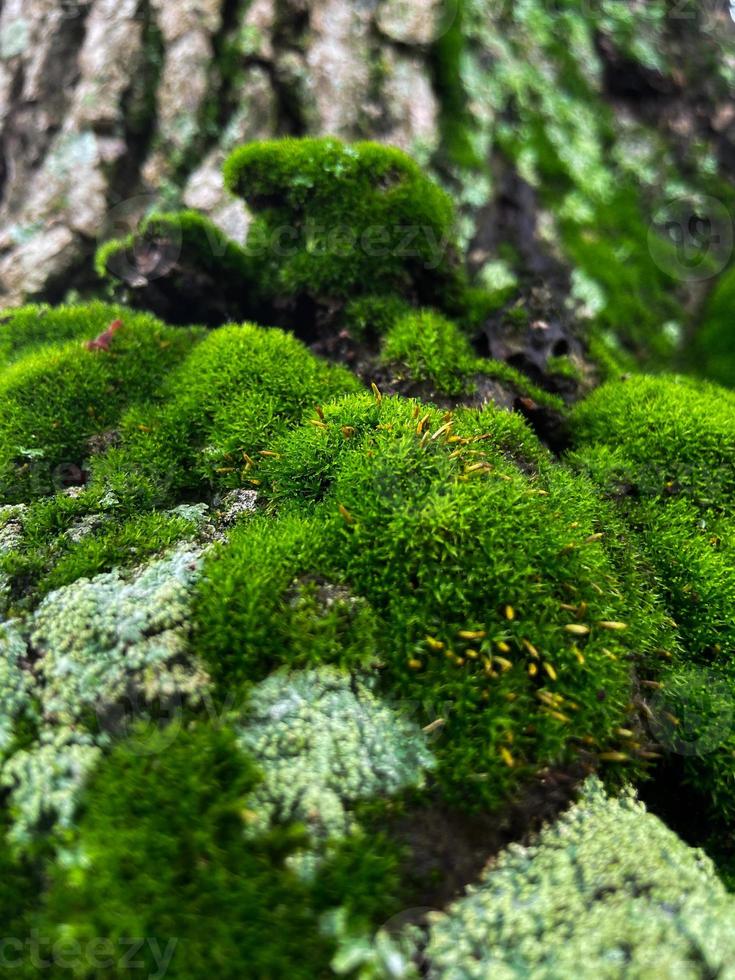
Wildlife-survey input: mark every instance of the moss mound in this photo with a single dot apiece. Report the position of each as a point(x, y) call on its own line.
point(662, 448)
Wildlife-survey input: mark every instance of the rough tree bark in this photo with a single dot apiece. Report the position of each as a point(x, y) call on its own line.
point(107, 106)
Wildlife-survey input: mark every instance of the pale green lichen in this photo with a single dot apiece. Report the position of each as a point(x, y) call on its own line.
point(323, 740)
point(104, 646)
point(608, 891)
point(98, 637)
point(11, 526)
point(15, 682)
point(46, 780)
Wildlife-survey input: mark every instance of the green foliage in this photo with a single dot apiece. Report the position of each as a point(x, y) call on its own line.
point(166, 857)
point(122, 544)
point(607, 891)
point(29, 327)
point(183, 267)
point(268, 601)
point(340, 220)
point(661, 438)
point(54, 399)
point(192, 236)
point(499, 606)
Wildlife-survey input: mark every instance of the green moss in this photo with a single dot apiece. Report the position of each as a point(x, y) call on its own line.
point(428, 348)
point(194, 236)
point(31, 327)
point(663, 449)
point(373, 316)
point(241, 387)
point(123, 544)
point(290, 612)
point(182, 267)
point(54, 399)
point(712, 350)
point(431, 349)
point(667, 437)
point(466, 560)
point(336, 220)
point(165, 857)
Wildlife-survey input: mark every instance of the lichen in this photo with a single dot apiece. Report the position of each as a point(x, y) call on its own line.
point(324, 740)
point(101, 638)
point(606, 891)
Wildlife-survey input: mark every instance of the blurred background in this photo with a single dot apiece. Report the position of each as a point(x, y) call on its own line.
point(590, 144)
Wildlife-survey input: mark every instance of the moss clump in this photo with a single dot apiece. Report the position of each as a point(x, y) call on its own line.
point(607, 891)
point(498, 605)
point(431, 348)
point(85, 542)
point(712, 350)
point(239, 389)
point(337, 221)
point(39, 325)
point(55, 398)
point(664, 450)
point(166, 856)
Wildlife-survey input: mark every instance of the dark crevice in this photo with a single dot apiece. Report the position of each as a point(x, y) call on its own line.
point(448, 848)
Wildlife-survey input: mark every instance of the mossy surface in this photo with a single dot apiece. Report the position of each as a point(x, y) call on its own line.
point(274, 642)
point(487, 590)
point(57, 397)
point(662, 448)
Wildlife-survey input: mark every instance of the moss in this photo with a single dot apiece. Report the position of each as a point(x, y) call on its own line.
point(432, 349)
point(710, 352)
point(165, 858)
point(372, 316)
point(123, 544)
point(242, 386)
point(428, 348)
point(485, 580)
point(181, 266)
point(54, 399)
point(571, 905)
point(336, 220)
point(190, 233)
point(36, 326)
point(290, 611)
point(663, 449)
point(669, 437)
